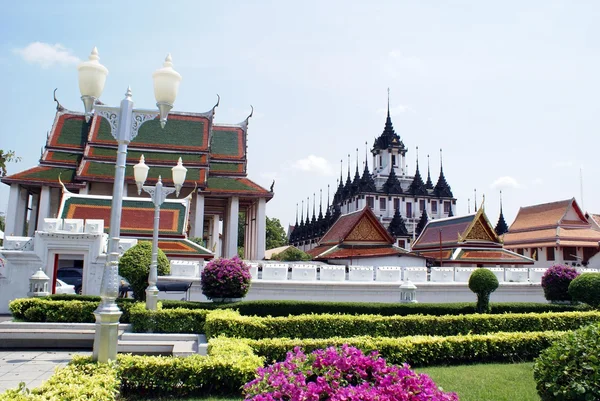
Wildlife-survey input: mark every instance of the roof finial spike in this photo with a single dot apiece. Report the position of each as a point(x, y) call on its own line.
point(366, 153)
point(468, 205)
point(483, 203)
point(307, 207)
point(320, 200)
point(59, 106)
point(302, 212)
point(417, 158)
point(475, 198)
point(296, 214)
point(356, 160)
point(388, 114)
point(341, 169)
point(500, 201)
point(327, 196)
point(348, 166)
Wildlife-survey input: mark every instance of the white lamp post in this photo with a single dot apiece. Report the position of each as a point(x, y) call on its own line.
point(125, 122)
point(158, 193)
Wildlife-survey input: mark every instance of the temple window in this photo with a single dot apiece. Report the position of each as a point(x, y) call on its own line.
point(550, 253)
point(356, 204)
point(409, 213)
point(402, 243)
point(447, 207)
point(433, 206)
point(382, 204)
point(370, 202)
point(380, 161)
point(569, 253)
point(520, 251)
point(393, 160)
point(422, 204)
point(396, 204)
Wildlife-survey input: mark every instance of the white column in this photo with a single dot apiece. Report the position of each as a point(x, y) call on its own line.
point(198, 227)
point(231, 227)
point(11, 213)
point(33, 216)
point(248, 251)
point(44, 207)
point(261, 228)
point(214, 237)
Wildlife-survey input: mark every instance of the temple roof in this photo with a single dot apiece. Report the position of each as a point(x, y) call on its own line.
point(392, 184)
point(479, 256)
point(81, 152)
point(388, 138)
point(357, 227)
point(417, 186)
point(547, 215)
point(458, 232)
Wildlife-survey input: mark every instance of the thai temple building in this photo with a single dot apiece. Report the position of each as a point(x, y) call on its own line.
point(76, 171)
point(401, 201)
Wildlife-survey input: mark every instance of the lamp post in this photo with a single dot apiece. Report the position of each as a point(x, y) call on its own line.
point(158, 193)
point(125, 122)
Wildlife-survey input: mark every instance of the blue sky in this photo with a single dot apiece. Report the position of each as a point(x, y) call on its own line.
point(508, 89)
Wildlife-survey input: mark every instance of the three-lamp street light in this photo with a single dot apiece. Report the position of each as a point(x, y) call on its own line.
point(125, 122)
point(159, 194)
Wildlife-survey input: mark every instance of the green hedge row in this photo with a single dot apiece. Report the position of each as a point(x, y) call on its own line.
point(232, 324)
point(62, 311)
point(286, 308)
point(80, 380)
point(424, 350)
point(166, 320)
point(228, 367)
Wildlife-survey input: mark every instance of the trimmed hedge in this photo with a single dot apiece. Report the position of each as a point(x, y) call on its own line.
point(68, 311)
point(286, 308)
point(232, 324)
point(230, 365)
point(166, 320)
point(80, 380)
point(423, 350)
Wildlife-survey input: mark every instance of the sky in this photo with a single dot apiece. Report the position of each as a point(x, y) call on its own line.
point(509, 90)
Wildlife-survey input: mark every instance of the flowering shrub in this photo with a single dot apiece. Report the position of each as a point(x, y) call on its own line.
point(226, 278)
point(556, 282)
point(341, 374)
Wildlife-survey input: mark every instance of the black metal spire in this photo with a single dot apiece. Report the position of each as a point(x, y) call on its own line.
point(392, 184)
point(428, 184)
point(328, 221)
point(417, 186)
point(388, 138)
point(422, 223)
point(442, 189)
point(475, 192)
point(314, 217)
point(296, 213)
point(356, 181)
point(320, 203)
point(397, 227)
point(367, 184)
point(347, 193)
point(501, 227)
point(337, 197)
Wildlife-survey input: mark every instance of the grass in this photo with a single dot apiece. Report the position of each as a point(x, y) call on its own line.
point(487, 382)
point(484, 382)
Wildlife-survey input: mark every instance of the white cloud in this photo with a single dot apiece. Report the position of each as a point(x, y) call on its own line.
point(505, 182)
point(46, 55)
point(314, 164)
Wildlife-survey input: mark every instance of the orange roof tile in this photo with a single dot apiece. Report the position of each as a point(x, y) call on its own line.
point(540, 216)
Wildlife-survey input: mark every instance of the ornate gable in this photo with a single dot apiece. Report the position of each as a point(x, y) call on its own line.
point(366, 230)
point(480, 229)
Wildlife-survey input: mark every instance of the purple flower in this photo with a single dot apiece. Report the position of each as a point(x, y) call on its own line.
point(341, 374)
point(226, 278)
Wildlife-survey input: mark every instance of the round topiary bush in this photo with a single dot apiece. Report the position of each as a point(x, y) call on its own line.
point(226, 278)
point(341, 374)
point(292, 254)
point(586, 288)
point(556, 280)
point(569, 370)
point(483, 282)
point(134, 266)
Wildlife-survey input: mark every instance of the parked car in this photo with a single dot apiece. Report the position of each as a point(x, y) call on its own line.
point(73, 276)
point(63, 288)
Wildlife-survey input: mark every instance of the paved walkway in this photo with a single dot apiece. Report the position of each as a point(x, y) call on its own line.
point(31, 367)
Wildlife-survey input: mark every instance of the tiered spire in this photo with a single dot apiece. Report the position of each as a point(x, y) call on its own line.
point(356, 181)
point(428, 184)
point(392, 185)
point(442, 189)
point(328, 221)
point(422, 223)
point(397, 228)
point(367, 184)
point(347, 192)
point(320, 220)
point(417, 187)
point(388, 138)
point(501, 227)
point(339, 193)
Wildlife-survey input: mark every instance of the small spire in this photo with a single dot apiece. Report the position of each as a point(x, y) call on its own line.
point(320, 203)
point(428, 184)
point(348, 166)
point(475, 199)
point(442, 189)
point(296, 214)
point(302, 213)
point(388, 111)
point(501, 228)
point(314, 196)
point(366, 157)
point(327, 196)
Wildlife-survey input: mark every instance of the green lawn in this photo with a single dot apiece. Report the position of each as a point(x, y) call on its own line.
point(485, 382)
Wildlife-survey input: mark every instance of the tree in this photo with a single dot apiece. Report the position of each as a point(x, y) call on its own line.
point(134, 265)
point(7, 156)
point(275, 234)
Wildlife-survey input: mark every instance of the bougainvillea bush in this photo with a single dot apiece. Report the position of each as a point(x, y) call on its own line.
point(556, 282)
point(226, 278)
point(338, 374)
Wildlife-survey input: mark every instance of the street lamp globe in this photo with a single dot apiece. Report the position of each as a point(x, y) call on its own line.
point(140, 173)
point(166, 85)
point(179, 172)
point(92, 77)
